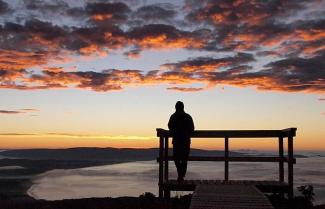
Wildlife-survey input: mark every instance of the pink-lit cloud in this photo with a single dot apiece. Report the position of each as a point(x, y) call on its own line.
point(247, 30)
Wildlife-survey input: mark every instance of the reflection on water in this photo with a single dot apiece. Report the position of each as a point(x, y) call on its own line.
point(133, 179)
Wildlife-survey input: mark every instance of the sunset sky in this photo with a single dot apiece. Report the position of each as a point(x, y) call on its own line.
point(94, 73)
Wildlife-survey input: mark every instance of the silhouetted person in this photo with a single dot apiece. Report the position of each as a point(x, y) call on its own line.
point(181, 126)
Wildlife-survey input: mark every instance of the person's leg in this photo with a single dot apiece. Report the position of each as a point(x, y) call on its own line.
point(184, 168)
point(178, 165)
point(177, 160)
point(185, 155)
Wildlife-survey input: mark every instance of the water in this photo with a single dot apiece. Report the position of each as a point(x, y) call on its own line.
point(135, 178)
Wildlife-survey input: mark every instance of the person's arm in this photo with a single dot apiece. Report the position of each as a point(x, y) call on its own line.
point(171, 123)
point(191, 124)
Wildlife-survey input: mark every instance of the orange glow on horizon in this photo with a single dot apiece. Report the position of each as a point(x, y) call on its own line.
point(56, 141)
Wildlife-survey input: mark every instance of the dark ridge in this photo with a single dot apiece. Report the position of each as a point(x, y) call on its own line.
point(101, 154)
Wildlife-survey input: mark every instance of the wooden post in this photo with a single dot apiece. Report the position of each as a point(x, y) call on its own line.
point(226, 159)
point(281, 167)
point(290, 166)
point(161, 169)
point(166, 192)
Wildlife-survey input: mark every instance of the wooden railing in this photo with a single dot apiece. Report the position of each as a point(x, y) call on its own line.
point(289, 133)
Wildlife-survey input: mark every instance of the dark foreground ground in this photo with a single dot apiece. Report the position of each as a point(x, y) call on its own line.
point(145, 201)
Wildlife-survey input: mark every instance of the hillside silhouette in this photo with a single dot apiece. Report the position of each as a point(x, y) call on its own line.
point(100, 154)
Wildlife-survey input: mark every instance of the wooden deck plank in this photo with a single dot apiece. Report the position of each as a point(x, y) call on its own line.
point(212, 196)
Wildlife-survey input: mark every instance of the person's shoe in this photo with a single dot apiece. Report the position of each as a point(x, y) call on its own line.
point(180, 179)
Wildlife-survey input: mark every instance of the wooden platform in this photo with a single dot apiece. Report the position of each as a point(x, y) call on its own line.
point(190, 185)
point(165, 185)
point(228, 196)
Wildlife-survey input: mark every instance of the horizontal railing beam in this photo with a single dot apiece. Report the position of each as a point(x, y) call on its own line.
point(289, 132)
point(234, 133)
point(235, 159)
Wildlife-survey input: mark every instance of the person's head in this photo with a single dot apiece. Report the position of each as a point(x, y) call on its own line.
point(179, 106)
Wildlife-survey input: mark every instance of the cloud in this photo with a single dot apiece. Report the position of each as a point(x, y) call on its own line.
point(270, 45)
point(107, 11)
point(251, 25)
point(321, 99)
point(155, 13)
point(268, 53)
point(72, 135)
point(241, 12)
point(43, 6)
point(4, 7)
point(209, 63)
point(10, 112)
point(36, 42)
point(9, 76)
point(30, 110)
point(31, 44)
point(98, 81)
point(184, 89)
point(289, 74)
point(134, 53)
point(21, 111)
point(39, 42)
point(298, 74)
point(162, 36)
point(16, 134)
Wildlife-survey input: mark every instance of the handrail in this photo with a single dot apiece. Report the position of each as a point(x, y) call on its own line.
point(234, 133)
point(234, 159)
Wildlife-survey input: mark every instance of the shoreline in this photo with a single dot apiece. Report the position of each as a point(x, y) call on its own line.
point(28, 192)
point(32, 180)
point(22, 180)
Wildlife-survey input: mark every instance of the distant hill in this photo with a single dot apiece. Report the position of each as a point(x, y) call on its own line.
point(101, 154)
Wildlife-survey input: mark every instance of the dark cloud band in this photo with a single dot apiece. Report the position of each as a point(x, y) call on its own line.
point(250, 31)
